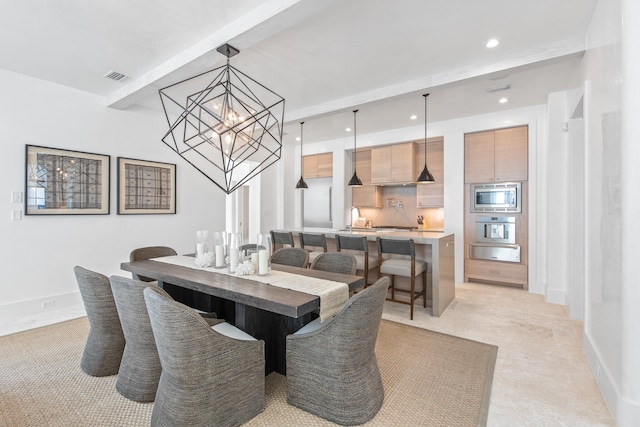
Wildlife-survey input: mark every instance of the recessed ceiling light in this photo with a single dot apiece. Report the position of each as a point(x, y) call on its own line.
point(297, 138)
point(503, 100)
point(492, 43)
point(348, 129)
point(413, 117)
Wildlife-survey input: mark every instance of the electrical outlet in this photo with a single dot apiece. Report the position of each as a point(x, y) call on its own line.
point(48, 304)
point(16, 215)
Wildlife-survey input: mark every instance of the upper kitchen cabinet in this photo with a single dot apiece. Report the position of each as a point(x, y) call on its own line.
point(317, 165)
point(431, 195)
point(363, 166)
point(367, 195)
point(393, 164)
point(496, 156)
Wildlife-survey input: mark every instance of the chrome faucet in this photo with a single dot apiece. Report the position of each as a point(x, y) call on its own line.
point(351, 212)
point(394, 203)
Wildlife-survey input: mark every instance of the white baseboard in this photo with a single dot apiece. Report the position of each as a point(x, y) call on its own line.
point(556, 296)
point(24, 315)
point(625, 412)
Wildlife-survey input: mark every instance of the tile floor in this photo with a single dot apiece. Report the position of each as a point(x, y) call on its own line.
point(542, 377)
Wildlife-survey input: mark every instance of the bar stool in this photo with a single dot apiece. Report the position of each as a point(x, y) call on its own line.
point(281, 238)
point(364, 260)
point(402, 267)
point(313, 240)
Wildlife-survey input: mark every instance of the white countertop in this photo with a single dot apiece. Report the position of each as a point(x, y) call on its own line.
point(418, 236)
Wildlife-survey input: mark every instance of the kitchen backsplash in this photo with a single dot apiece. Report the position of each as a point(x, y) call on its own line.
point(399, 209)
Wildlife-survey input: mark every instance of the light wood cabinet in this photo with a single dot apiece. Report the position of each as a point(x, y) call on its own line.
point(317, 165)
point(381, 165)
point(495, 272)
point(363, 166)
point(511, 154)
point(496, 156)
point(367, 195)
point(430, 195)
point(393, 164)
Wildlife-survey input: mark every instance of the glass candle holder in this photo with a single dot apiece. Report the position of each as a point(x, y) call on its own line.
point(202, 240)
point(264, 254)
point(234, 244)
point(219, 248)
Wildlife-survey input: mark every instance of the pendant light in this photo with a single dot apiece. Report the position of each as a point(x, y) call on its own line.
point(301, 185)
point(354, 181)
point(425, 177)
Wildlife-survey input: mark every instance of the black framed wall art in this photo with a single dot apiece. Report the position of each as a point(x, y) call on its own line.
point(66, 182)
point(146, 187)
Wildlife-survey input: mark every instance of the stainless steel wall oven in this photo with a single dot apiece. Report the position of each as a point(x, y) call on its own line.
point(495, 239)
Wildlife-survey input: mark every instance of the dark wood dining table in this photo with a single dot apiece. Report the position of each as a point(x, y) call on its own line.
point(266, 312)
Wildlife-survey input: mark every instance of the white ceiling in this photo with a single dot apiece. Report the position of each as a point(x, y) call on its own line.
point(325, 57)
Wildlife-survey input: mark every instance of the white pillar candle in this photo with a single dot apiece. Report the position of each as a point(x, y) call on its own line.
point(254, 261)
point(262, 262)
point(219, 256)
point(234, 256)
point(199, 249)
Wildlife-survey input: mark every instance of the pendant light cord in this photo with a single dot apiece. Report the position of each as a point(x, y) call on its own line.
point(301, 163)
point(425, 129)
point(355, 163)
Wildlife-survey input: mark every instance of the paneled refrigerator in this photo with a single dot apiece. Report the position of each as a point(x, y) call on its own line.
point(317, 203)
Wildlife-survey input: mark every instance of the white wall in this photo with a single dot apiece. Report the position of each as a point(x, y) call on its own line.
point(453, 132)
point(39, 252)
point(611, 68)
point(557, 196)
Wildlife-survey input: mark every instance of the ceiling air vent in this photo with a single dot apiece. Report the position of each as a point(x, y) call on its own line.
point(498, 88)
point(114, 75)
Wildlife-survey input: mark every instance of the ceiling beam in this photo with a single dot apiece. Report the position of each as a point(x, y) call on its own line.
point(249, 27)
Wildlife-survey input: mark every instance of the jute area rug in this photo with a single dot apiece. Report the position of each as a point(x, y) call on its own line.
point(430, 379)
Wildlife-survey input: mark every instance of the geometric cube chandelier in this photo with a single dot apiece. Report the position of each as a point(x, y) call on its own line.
point(224, 123)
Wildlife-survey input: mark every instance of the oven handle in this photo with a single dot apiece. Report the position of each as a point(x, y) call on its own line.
point(494, 245)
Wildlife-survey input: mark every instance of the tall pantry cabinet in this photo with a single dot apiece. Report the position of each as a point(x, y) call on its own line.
point(499, 155)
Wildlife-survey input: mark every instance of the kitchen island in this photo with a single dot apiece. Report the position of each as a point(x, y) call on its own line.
point(434, 247)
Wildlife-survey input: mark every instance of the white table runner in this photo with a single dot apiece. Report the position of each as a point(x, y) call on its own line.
point(332, 294)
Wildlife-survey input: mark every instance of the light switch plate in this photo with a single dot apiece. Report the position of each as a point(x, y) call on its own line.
point(16, 197)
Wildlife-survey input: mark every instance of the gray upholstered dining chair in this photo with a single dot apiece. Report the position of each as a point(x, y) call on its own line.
point(359, 244)
point(105, 343)
point(336, 262)
point(296, 257)
point(407, 267)
point(140, 368)
point(148, 253)
point(208, 377)
point(332, 369)
point(317, 241)
point(185, 296)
